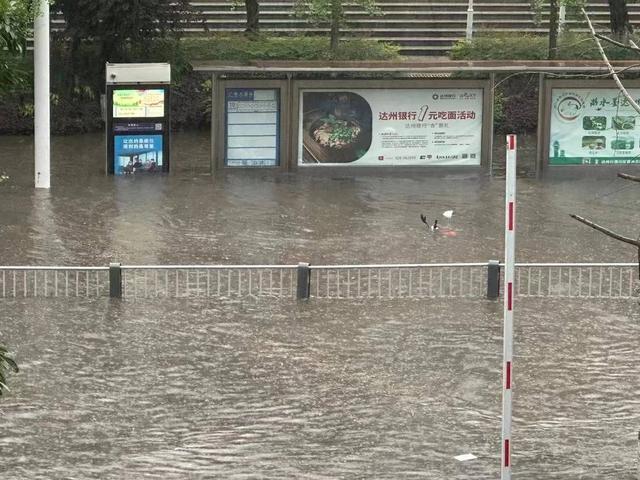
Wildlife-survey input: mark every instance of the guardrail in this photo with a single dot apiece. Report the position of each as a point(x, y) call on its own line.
point(227, 281)
point(303, 281)
point(54, 281)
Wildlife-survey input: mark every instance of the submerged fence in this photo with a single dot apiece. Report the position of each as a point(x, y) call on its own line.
point(437, 280)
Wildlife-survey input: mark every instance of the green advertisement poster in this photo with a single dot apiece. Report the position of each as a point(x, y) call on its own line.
point(594, 126)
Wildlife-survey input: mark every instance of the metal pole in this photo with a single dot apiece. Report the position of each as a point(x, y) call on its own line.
point(42, 128)
point(509, 293)
point(470, 20)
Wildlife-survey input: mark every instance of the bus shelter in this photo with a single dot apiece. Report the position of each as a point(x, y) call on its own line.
point(307, 115)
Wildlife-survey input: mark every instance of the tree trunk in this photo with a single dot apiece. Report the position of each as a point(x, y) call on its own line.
point(336, 20)
point(619, 20)
point(253, 16)
point(553, 29)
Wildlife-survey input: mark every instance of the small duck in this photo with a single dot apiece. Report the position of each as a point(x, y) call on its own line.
point(433, 227)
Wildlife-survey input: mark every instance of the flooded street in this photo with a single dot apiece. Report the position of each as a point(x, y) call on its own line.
point(174, 389)
point(257, 217)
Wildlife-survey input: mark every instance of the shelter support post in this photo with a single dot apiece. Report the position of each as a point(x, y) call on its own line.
point(214, 125)
point(491, 113)
point(541, 125)
point(290, 149)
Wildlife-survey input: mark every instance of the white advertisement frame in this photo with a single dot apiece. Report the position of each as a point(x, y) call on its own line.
point(485, 136)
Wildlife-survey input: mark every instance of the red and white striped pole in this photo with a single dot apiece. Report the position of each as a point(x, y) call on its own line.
point(509, 293)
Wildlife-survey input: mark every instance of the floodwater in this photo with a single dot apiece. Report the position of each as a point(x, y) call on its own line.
point(258, 217)
point(174, 389)
point(188, 389)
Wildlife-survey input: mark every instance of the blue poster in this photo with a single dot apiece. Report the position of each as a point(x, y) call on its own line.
point(135, 154)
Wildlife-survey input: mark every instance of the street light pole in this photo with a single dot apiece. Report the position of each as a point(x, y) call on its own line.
point(42, 126)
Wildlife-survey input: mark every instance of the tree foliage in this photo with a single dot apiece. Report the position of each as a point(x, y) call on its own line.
point(6, 364)
point(114, 23)
point(16, 18)
point(332, 13)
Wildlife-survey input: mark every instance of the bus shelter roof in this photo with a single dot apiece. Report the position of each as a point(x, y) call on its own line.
point(416, 66)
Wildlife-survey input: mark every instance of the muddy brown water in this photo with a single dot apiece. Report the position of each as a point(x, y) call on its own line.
point(260, 389)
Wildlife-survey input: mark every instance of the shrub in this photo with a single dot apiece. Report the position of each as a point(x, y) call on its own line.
point(76, 82)
point(502, 46)
point(243, 49)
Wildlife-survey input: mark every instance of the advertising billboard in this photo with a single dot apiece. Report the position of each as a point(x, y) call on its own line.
point(592, 126)
point(252, 127)
point(140, 103)
point(377, 127)
point(137, 154)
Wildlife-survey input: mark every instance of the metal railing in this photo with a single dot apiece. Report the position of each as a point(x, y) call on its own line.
point(54, 281)
point(226, 281)
point(435, 280)
point(590, 280)
point(399, 281)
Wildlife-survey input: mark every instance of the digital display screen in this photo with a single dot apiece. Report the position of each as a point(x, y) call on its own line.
point(137, 154)
point(145, 103)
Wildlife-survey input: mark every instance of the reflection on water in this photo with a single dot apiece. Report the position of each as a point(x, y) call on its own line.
point(176, 389)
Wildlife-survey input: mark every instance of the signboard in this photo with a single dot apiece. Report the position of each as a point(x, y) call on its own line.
point(593, 126)
point(136, 154)
point(145, 103)
point(441, 126)
point(252, 127)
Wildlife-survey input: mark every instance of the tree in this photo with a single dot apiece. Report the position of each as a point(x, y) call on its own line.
point(619, 20)
point(6, 364)
point(16, 18)
point(253, 16)
point(610, 233)
point(332, 12)
point(554, 19)
point(115, 25)
point(554, 14)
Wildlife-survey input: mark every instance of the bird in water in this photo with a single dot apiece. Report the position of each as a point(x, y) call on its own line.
point(433, 227)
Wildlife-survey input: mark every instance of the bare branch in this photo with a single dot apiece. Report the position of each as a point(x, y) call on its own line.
point(633, 47)
point(612, 71)
point(626, 176)
point(606, 231)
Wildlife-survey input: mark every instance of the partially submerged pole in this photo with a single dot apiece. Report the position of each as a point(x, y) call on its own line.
point(42, 127)
point(509, 293)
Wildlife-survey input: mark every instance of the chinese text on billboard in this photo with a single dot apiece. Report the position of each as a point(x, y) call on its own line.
point(391, 127)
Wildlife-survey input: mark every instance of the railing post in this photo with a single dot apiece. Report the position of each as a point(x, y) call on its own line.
point(493, 279)
point(115, 280)
point(304, 281)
